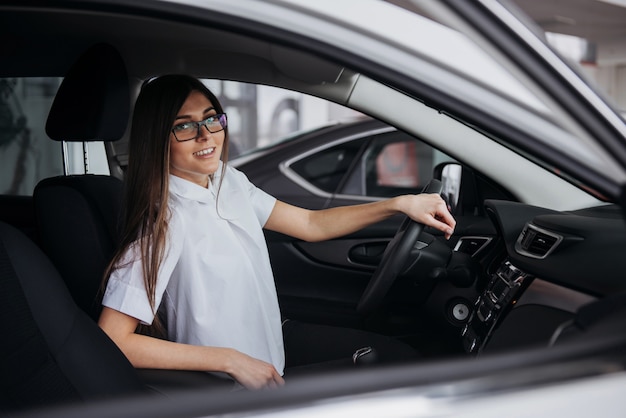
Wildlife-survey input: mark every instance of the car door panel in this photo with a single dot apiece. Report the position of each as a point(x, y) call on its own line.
point(315, 279)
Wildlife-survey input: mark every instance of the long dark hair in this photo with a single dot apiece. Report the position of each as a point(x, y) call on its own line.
point(146, 192)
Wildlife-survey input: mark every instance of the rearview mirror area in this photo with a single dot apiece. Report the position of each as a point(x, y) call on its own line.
point(449, 174)
point(464, 189)
point(451, 180)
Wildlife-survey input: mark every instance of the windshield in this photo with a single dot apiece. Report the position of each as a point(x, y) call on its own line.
point(441, 51)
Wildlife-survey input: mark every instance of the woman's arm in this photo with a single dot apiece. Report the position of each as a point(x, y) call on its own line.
point(148, 352)
point(319, 225)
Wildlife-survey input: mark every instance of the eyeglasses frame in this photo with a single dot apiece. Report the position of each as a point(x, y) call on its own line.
point(219, 117)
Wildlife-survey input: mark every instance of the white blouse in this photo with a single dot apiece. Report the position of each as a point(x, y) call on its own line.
point(215, 282)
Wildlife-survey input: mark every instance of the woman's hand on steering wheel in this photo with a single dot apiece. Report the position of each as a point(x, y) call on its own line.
point(429, 209)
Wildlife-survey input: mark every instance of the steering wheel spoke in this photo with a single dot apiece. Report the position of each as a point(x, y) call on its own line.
point(394, 259)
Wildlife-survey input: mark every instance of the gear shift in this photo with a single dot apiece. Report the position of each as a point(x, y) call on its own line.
point(365, 356)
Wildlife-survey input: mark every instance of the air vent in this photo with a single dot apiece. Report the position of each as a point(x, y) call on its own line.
point(537, 242)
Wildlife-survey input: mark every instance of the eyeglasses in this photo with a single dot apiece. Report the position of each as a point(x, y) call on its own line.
point(191, 130)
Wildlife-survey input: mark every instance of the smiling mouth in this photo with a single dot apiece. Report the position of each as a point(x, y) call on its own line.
point(204, 152)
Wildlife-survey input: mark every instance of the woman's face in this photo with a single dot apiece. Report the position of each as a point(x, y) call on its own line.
point(196, 159)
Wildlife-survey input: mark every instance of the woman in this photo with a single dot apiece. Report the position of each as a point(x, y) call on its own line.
point(193, 246)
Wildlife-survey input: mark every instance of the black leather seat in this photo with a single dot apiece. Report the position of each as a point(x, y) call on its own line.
point(600, 319)
point(77, 215)
point(77, 224)
point(51, 351)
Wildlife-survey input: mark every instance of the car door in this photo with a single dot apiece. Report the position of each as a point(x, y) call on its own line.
point(323, 281)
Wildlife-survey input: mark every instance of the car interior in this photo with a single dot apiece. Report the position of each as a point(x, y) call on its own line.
point(535, 262)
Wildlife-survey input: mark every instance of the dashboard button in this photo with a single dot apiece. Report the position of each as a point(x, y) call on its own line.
point(460, 311)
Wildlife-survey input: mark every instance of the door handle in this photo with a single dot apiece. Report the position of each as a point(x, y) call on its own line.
point(369, 254)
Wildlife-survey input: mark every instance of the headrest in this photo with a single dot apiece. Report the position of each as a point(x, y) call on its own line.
point(93, 101)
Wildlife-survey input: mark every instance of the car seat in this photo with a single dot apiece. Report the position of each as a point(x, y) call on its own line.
point(51, 351)
point(77, 215)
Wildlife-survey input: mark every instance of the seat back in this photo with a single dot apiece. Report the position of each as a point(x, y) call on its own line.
point(602, 318)
point(77, 215)
point(77, 218)
point(51, 352)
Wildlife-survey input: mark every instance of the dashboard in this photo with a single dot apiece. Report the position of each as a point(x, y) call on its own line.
point(547, 265)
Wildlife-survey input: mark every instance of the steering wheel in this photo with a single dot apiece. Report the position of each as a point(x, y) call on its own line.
point(394, 258)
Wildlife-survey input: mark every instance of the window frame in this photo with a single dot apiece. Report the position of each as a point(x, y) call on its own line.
point(368, 137)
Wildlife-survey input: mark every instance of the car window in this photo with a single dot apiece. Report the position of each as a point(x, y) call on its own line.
point(25, 149)
point(392, 164)
point(260, 116)
point(384, 164)
point(326, 168)
point(24, 145)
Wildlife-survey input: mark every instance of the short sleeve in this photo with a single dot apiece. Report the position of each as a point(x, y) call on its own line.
point(262, 202)
point(125, 291)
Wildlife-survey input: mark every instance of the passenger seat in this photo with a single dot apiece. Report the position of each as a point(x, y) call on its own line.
point(77, 215)
point(51, 351)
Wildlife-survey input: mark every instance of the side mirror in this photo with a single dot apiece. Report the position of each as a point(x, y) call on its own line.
point(450, 176)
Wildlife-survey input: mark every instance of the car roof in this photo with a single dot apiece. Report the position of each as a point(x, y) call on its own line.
point(42, 41)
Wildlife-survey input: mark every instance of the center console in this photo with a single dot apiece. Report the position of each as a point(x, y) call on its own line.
point(500, 294)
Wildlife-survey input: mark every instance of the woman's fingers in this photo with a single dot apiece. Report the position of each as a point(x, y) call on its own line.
point(432, 210)
point(256, 374)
